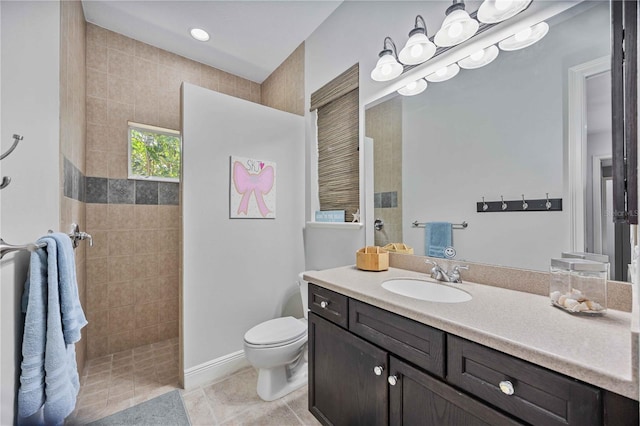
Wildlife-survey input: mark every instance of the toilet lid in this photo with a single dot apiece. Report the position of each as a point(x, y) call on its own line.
point(274, 331)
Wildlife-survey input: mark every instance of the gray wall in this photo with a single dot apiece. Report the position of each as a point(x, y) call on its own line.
point(30, 81)
point(240, 272)
point(498, 130)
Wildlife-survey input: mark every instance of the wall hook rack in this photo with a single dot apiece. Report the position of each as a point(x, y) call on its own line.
point(539, 205)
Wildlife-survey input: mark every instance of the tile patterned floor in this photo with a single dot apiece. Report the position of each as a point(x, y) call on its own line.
point(119, 381)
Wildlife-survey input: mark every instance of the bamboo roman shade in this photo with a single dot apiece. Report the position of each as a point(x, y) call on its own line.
point(338, 140)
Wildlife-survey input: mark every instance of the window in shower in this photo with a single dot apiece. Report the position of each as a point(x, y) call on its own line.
point(154, 153)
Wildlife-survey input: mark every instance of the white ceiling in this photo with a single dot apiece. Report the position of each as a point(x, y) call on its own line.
point(248, 38)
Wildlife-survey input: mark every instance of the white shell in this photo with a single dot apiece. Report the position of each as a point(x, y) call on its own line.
point(555, 296)
point(570, 303)
point(594, 306)
point(562, 299)
point(580, 307)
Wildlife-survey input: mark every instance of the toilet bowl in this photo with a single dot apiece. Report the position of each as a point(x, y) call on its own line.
point(277, 349)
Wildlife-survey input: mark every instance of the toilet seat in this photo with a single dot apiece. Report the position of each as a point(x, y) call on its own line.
point(276, 332)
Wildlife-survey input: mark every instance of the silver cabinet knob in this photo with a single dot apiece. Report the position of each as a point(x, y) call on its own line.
point(506, 387)
point(378, 369)
point(324, 304)
point(393, 380)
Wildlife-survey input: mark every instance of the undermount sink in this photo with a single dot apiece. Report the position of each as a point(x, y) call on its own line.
point(426, 290)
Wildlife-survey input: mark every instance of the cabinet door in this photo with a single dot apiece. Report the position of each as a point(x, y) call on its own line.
point(419, 399)
point(343, 387)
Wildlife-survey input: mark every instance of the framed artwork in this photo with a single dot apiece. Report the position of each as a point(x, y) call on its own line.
point(252, 189)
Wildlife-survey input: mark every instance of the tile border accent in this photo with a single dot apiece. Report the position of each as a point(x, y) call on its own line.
point(214, 370)
point(74, 181)
point(101, 190)
point(385, 200)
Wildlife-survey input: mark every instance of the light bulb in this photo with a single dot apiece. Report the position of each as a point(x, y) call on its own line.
point(503, 4)
point(412, 85)
point(386, 69)
point(416, 50)
point(523, 35)
point(441, 72)
point(455, 30)
point(478, 55)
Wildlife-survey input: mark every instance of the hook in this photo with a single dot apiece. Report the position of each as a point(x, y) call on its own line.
point(524, 203)
point(6, 180)
point(485, 206)
point(548, 203)
point(504, 205)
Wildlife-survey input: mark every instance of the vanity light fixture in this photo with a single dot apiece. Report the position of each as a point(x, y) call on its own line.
point(388, 66)
point(525, 38)
point(444, 74)
point(494, 11)
point(199, 34)
point(418, 48)
point(457, 27)
point(479, 59)
point(414, 88)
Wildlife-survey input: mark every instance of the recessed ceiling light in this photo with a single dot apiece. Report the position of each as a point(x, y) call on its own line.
point(199, 34)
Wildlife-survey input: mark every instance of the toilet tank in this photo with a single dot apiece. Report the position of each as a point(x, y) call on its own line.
point(304, 294)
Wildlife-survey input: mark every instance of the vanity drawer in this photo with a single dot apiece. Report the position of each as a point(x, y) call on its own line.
point(328, 304)
point(540, 396)
point(415, 342)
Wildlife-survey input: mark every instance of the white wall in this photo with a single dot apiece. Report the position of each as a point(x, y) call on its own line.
point(237, 273)
point(30, 205)
point(494, 131)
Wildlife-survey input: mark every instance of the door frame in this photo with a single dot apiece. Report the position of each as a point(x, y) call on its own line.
point(577, 146)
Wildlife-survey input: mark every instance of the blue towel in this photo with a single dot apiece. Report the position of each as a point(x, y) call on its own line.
point(49, 380)
point(437, 237)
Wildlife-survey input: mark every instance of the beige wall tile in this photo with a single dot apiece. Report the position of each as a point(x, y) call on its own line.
point(98, 322)
point(121, 43)
point(97, 35)
point(121, 243)
point(146, 335)
point(120, 268)
point(121, 319)
point(121, 341)
point(97, 217)
point(97, 295)
point(96, 83)
point(96, 166)
point(169, 78)
point(168, 310)
point(120, 294)
point(146, 51)
point(118, 165)
point(96, 110)
point(147, 216)
point(119, 114)
point(146, 290)
point(146, 72)
point(97, 137)
point(97, 346)
point(121, 90)
point(146, 315)
point(119, 216)
point(120, 64)
point(96, 272)
point(97, 57)
point(167, 330)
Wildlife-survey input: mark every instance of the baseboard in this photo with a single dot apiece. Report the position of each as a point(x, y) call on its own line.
point(214, 370)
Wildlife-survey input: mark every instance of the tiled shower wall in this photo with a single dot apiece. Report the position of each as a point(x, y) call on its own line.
point(132, 269)
point(72, 138)
point(284, 88)
point(383, 123)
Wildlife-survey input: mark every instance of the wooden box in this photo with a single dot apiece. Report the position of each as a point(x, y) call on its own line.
point(398, 248)
point(372, 258)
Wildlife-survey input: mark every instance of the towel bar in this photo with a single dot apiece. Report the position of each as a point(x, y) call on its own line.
point(76, 236)
point(462, 225)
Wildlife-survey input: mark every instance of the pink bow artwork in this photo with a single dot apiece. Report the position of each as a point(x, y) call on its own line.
point(257, 184)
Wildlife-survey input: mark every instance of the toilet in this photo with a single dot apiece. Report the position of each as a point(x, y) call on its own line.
point(277, 348)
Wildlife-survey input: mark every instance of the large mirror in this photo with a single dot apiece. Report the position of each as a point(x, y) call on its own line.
point(504, 130)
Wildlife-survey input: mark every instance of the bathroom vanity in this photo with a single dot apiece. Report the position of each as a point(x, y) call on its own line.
point(504, 357)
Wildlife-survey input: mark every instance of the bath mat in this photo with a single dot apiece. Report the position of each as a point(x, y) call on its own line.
point(167, 409)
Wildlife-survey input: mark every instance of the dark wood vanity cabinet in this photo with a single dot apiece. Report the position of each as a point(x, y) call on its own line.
point(368, 366)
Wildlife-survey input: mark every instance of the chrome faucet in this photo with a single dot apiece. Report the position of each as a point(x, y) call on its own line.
point(439, 274)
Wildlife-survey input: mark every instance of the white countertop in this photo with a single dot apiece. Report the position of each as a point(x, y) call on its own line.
point(602, 351)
